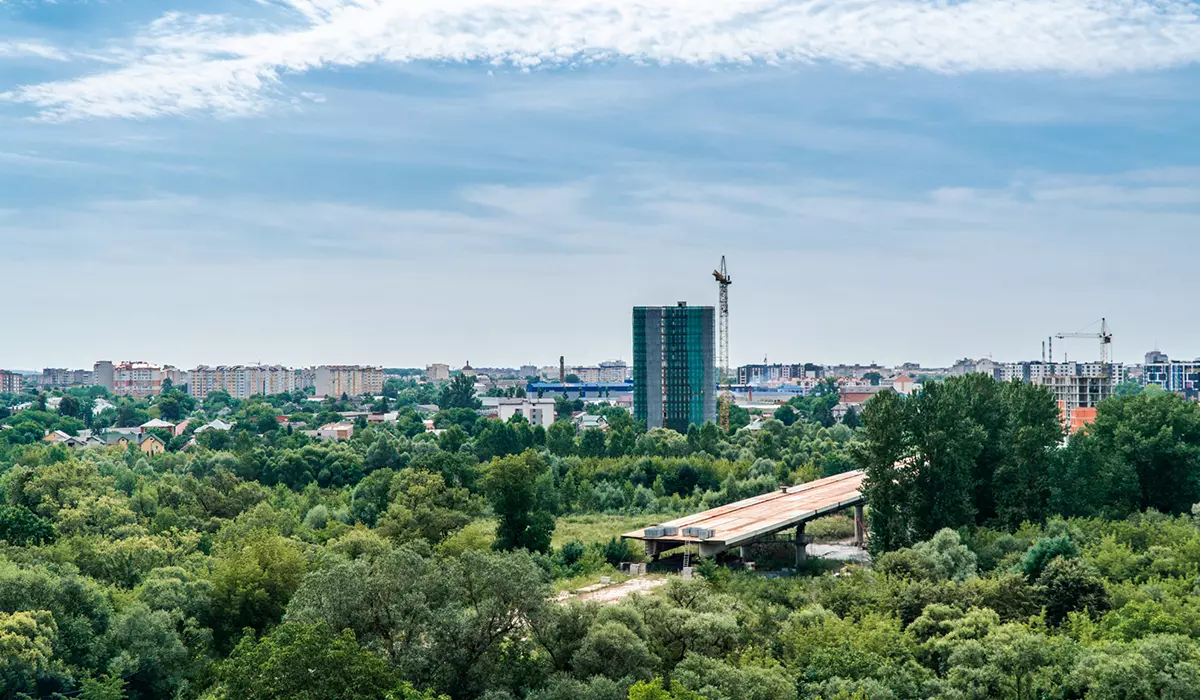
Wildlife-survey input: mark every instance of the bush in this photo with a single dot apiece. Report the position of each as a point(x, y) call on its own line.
point(1043, 552)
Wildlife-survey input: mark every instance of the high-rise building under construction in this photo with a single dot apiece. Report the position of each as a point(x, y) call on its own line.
point(674, 366)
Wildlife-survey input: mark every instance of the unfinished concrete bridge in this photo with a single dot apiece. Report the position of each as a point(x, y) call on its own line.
point(745, 522)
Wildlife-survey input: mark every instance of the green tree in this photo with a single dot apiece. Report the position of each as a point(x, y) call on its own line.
point(22, 527)
point(947, 557)
point(1070, 586)
point(511, 484)
point(883, 456)
point(572, 379)
point(560, 438)
point(851, 419)
point(26, 650)
point(873, 378)
point(611, 650)
point(459, 392)
point(456, 624)
point(424, 507)
point(69, 406)
point(945, 443)
point(591, 443)
point(1160, 438)
point(786, 414)
point(307, 662)
point(1024, 479)
point(252, 583)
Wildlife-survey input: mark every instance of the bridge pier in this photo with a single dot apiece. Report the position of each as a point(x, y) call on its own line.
point(859, 526)
point(801, 546)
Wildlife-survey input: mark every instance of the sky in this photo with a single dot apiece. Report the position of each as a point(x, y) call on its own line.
point(401, 182)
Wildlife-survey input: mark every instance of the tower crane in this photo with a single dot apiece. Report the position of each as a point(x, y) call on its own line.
point(1104, 336)
point(723, 279)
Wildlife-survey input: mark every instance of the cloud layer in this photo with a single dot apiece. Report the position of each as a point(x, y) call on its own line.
point(228, 65)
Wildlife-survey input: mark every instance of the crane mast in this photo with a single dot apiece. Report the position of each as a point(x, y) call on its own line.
point(723, 281)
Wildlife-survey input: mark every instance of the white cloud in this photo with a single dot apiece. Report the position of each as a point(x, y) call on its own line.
point(34, 49)
point(228, 65)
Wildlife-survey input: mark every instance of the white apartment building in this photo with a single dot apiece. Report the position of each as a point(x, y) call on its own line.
point(536, 411)
point(351, 380)
point(609, 372)
point(137, 379)
point(437, 372)
point(243, 381)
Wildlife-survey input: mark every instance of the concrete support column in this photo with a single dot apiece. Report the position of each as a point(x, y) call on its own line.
point(801, 546)
point(859, 526)
point(744, 553)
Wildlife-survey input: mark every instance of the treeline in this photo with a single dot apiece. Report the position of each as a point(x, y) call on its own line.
point(972, 451)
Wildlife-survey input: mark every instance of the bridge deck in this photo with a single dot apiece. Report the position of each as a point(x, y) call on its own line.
point(745, 521)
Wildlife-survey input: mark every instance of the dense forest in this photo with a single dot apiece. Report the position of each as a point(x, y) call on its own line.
point(1009, 559)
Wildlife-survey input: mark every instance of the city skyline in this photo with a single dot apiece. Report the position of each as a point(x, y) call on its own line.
point(901, 182)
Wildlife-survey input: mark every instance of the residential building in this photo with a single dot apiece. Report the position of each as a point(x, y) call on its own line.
point(1180, 376)
point(536, 411)
point(1156, 357)
point(769, 374)
point(335, 431)
point(157, 424)
point(613, 371)
point(11, 382)
point(103, 374)
point(855, 371)
point(217, 424)
point(242, 381)
point(905, 385)
point(137, 379)
point(674, 365)
point(152, 444)
point(437, 372)
point(588, 421)
point(59, 378)
point(179, 377)
point(351, 380)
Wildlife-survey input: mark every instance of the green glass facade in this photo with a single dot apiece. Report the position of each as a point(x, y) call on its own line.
point(674, 366)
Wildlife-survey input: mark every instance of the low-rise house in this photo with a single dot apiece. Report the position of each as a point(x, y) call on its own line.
point(335, 431)
point(57, 437)
point(157, 424)
point(118, 439)
point(217, 424)
point(588, 421)
point(152, 444)
point(181, 428)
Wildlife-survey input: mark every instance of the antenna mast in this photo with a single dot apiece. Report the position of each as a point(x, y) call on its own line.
point(726, 398)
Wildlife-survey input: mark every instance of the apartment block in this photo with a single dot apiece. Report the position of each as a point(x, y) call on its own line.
point(61, 378)
point(137, 379)
point(437, 372)
point(11, 382)
point(771, 374)
point(536, 411)
point(103, 374)
point(351, 380)
point(243, 381)
point(1180, 376)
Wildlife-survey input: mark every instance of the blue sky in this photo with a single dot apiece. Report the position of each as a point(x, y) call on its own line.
point(499, 181)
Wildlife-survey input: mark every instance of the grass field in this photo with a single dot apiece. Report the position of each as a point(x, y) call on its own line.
point(600, 528)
